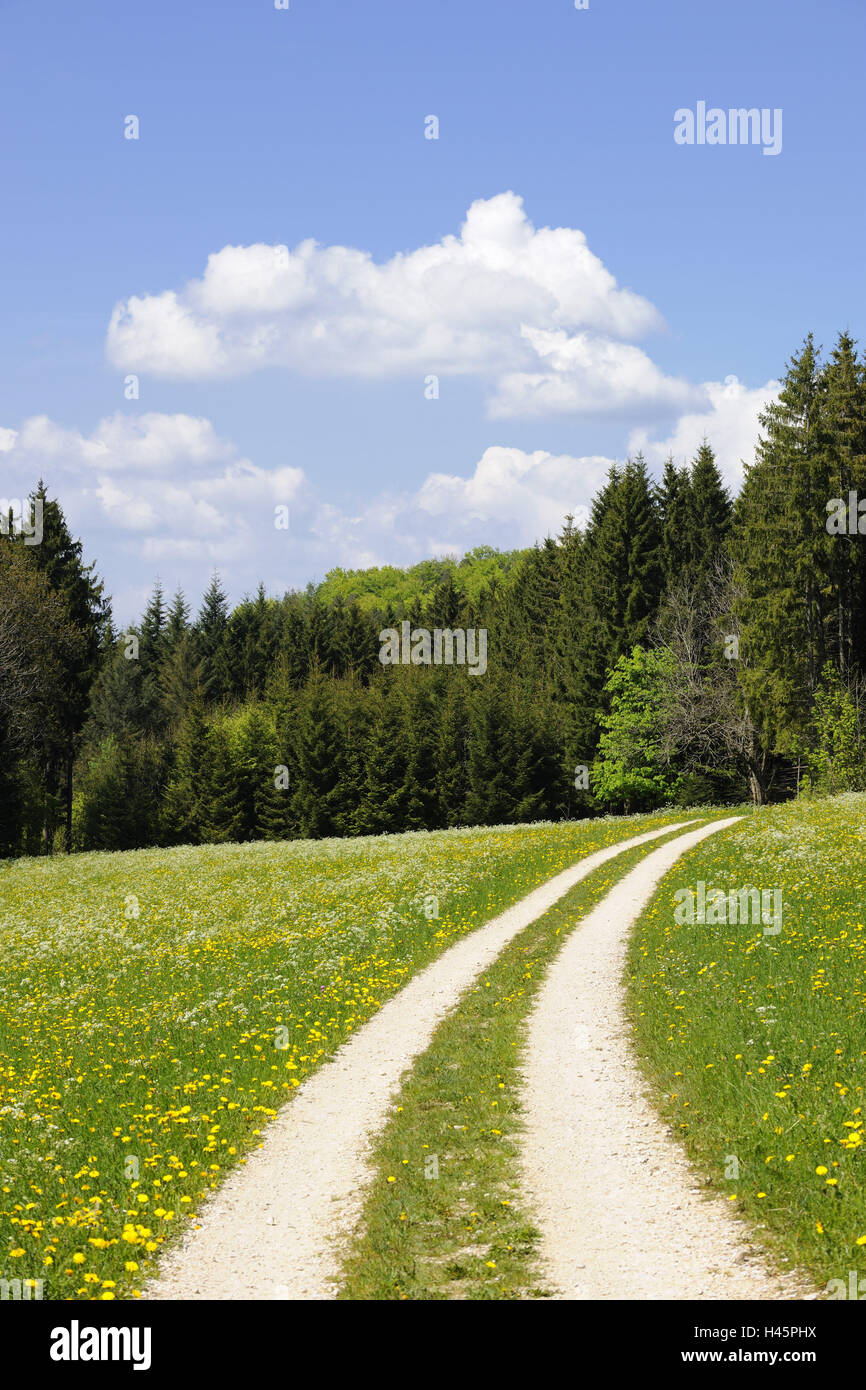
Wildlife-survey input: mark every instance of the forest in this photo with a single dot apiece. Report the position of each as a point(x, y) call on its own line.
point(682, 648)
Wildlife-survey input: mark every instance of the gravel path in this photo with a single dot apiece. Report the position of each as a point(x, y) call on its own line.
point(274, 1228)
point(621, 1211)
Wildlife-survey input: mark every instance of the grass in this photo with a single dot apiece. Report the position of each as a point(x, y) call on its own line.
point(756, 1042)
point(444, 1218)
point(157, 1008)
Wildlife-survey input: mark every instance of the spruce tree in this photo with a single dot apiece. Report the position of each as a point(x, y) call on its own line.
point(275, 805)
point(255, 770)
point(422, 809)
point(217, 676)
point(537, 789)
point(784, 600)
point(385, 802)
point(177, 622)
point(844, 443)
point(673, 498)
point(527, 620)
point(621, 577)
point(186, 805)
point(227, 817)
point(492, 755)
point(319, 759)
point(352, 701)
point(59, 557)
point(452, 771)
point(708, 516)
point(180, 679)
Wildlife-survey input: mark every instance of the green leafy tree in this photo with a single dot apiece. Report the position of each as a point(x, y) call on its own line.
point(632, 769)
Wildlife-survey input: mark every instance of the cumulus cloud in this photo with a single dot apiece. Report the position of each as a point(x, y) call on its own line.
point(151, 442)
point(587, 373)
point(154, 484)
point(531, 312)
point(729, 421)
point(530, 492)
point(166, 494)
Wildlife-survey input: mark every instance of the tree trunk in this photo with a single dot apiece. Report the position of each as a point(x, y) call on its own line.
point(756, 786)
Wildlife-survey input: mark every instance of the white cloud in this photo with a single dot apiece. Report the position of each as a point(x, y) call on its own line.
point(165, 493)
point(158, 332)
point(510, 499)
point(152, 473)
point(587, 373)
point(531, 492)
point(150, 442)
point(730, 424)
point(531, 311)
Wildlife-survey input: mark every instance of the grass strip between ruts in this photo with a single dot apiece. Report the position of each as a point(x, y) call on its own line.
point(444, 1218)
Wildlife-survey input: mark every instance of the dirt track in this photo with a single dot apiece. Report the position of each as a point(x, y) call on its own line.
point(621, 1212)
point(275, 1227)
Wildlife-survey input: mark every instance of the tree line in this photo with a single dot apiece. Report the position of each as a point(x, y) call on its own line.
point(681, 647)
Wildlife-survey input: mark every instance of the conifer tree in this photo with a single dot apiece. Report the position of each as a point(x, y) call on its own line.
point(59, 557)
point(673, 497)
point(319, 761)
point(255, 770)
point(422, 810)
point(708, 516)
point(452, 772)
point(527, 620)
point(844, 441)
point(117, 704)
point(227, 818)
point(186, 805)
point(180, 679)
point(276, 817)
point(352, 701)
point(217, 677)
point(384, 805)
point(177, 622)
point(491, 761)
point(538, 792)
point(783, 592)
point(153, 627)
point(621, 579)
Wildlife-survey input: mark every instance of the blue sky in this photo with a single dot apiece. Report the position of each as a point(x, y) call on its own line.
point(297, 378)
